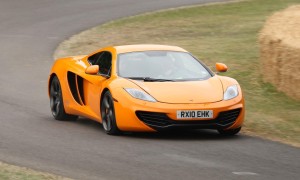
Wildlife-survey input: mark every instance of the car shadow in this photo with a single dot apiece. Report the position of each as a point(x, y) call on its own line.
point(89, 123)
point(198, 134)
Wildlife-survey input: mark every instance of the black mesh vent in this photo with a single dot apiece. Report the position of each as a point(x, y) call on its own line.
point(228, 117)
point(152, 118)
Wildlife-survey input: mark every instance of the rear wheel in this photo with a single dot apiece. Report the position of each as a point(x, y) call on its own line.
point(56, 102)
point(229, 132)
point(108, 115)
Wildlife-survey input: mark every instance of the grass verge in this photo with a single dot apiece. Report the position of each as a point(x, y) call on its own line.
point(10, 172)
point(214, 33)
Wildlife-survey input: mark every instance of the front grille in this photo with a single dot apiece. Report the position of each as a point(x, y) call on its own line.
point(161, 120)
point(153, 118)
point(228, 117)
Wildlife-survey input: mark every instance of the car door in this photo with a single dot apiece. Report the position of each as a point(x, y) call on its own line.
point(93, 85)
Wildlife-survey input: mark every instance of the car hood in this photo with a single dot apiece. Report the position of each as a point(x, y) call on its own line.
point(204, 91)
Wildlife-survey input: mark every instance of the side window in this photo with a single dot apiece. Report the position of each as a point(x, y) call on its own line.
point(104, 63)
point(93, 59)
point(103, 59)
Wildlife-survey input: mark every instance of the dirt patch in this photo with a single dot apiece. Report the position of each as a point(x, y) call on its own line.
point(280, 51)
point(18, 173)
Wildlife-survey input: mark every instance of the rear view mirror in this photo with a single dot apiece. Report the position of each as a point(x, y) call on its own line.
point(220, 67)
point(92, 70)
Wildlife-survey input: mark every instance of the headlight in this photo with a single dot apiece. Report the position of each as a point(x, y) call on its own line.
point(136, 93)
point(231, 92)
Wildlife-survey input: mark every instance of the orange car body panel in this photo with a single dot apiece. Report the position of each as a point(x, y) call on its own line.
point(172, 97)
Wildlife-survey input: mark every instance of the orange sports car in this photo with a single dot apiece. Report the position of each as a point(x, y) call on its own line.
point(145, 88)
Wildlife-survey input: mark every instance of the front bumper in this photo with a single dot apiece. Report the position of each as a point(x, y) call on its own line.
point(137, 115)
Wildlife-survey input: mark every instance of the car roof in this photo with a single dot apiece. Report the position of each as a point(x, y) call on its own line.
point(147, 47)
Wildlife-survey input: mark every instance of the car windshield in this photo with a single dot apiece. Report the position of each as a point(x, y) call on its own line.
point(161, 66)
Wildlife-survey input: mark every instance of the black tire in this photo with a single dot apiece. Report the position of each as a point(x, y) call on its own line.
point(56, 102)
point(229, 132)
point(108, 115)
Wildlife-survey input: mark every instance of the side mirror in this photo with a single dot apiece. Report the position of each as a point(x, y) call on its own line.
point(220, 67)
point(92, 70)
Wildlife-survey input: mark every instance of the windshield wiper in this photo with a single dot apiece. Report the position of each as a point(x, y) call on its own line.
point(149, 79)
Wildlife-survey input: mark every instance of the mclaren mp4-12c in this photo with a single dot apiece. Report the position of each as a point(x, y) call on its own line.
point(145, 88)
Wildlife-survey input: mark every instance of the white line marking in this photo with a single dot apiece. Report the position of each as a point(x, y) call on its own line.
point(245, 173)
point(198, 161)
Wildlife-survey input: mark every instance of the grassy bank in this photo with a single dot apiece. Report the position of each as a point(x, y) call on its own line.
point(10, 172)
point(215, 33)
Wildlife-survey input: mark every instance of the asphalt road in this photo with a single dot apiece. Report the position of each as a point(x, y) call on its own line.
point(29, 33)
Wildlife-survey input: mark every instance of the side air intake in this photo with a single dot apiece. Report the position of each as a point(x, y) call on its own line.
point(76, 87)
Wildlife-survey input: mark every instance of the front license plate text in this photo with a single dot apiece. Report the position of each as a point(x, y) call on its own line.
point(194, 114)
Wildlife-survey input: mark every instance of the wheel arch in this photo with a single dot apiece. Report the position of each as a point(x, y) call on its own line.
point(102, 95)
point(50, 81)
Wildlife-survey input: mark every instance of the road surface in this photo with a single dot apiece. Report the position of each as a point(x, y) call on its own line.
point(30, 31)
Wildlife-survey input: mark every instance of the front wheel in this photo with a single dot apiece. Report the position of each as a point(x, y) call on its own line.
point(108, 115)
point(229, 132)
point(56, 102)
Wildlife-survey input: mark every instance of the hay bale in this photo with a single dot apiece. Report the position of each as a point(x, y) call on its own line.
point(280, 51)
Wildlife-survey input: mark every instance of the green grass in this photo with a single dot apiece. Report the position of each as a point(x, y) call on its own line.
point(10, 172)
point(225, 33)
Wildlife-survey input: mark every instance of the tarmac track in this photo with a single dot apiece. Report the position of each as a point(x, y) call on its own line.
point(30, 30)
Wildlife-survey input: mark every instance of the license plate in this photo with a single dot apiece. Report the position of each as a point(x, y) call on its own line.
point(195, 114)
